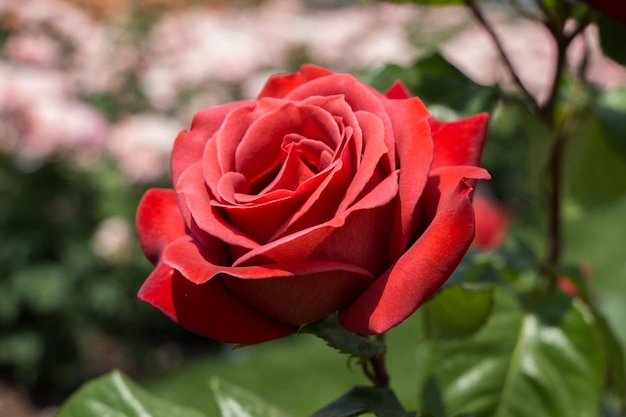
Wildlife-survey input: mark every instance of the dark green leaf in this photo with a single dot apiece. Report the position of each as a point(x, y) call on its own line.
point(517, 150)
point(616, 376)
point(612, 35)
point(114, 395)
point(234, 401)
point(437, 82)
point(457, 312)
point(339, 338)
point(360, 400)
point(610, 107)
point(545, 362)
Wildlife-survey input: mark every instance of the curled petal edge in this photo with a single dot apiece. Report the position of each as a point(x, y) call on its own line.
point(428, 263)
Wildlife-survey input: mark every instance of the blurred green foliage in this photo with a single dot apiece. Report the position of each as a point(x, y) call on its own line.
point(67, 314)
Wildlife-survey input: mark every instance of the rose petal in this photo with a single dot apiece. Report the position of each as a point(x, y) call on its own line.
point(281, 84)
point(398, 91)
point(259, 153)
point(209, 309)
point(300, 291)
point(189, 145)
point(195, 197)
point(159, 221)
point(370, 170)
point(312, 292)
point(460, 142)
point(428, 263)
point(360, 98)
point(340, 239)
point(219, 153)
point(415, 154)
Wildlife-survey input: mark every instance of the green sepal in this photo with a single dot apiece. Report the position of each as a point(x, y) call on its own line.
point(341, 339)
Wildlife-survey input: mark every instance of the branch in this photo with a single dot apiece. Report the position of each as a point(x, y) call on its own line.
point(582, 25)
point(507, 62)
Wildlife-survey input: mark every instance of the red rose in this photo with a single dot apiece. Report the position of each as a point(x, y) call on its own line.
point(321, 195)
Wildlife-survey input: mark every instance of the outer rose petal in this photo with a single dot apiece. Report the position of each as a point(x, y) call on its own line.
point(428, 263)
point(189, 145)
point(209, 309)
point(460, 142)
point(159, 222)
point(280, 85)
point(398, 91)
point(415, 154)
point(294, 293)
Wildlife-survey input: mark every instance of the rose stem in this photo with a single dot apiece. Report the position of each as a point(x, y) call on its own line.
point(563, 130)
point(555, 23)
point(375, 369)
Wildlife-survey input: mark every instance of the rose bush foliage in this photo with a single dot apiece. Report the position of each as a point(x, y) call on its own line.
point(321, 195)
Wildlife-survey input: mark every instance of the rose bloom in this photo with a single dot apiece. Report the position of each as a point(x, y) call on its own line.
point(320, 196)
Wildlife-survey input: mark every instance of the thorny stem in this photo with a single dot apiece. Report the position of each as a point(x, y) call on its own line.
point(554, 21)
point(375, 369)
point(548, 114)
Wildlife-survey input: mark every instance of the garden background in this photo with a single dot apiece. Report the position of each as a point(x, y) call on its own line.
point(93, 93)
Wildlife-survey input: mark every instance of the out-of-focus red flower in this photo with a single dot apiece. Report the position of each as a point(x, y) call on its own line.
point(614, 8)
point(567, 285)
point(492, 223)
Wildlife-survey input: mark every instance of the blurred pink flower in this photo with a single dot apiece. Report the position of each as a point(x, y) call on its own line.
point(34, 48)
point(531, 52)
point(141, 144)
point(53, 126)
point(113, 239)
point(40, 118)
point(93, 65)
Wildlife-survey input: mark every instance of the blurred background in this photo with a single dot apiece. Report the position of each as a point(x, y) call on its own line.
point(92, 95)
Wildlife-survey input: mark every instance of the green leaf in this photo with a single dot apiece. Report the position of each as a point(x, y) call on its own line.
point(517, 150)
point(548, 361)
point(339, 338)
point(616, 375)
point(457, 312)
point(234, 401)
point(594, 172)
point(114, 395)
point(360, 400)
point(437, 82)
point(610, 107)
point(612, 34)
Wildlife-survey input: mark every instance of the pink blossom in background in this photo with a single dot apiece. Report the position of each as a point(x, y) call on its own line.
point(529, 48)
point(113, 240)
point(527, 43)
point(43, 117)
point(53, 126)
point(34, 48)
point(141, 144)
point(602, 71)
point(92, 66)
point(191, 47)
